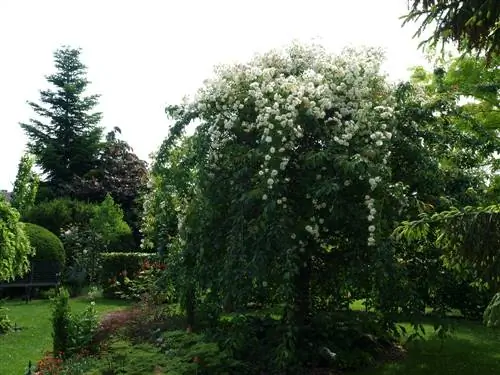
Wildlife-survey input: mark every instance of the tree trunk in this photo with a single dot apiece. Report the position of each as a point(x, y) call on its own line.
point(303, 296)
point(190, 307)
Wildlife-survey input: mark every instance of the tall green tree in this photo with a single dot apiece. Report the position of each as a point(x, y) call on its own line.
point(474, 25)
point(25, 186)
point(65, 137)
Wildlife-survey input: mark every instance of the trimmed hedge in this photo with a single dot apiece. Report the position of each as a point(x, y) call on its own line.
point(46, 244)
point(122, 243)
point(113, 265)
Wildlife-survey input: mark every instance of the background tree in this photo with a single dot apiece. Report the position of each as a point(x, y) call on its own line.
point(120, 173)
point(473, 24)
point(67, 144)
point(25, 186)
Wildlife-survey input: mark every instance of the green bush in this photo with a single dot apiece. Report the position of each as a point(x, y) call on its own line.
point(113, 266)
point(46, 244)
point(60, 213)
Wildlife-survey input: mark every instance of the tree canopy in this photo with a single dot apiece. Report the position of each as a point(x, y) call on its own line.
point(474, 25)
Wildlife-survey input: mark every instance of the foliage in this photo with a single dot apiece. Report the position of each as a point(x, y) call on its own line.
point(15, 248)
point(82, 330)
point(120, 173)
point(72, 333)
point(151, 282)
point(472, 24)
point(47, 245)
point(118, 266)
point(180, 354)
point(468, 235)
point(86, 243)
point(108, 223)
point(68, 144)
point(49, 294)
point(83, 249)
point(61, 320)
point(170, 192)
point(60, 213)
point(491, 316)
point(26, 185)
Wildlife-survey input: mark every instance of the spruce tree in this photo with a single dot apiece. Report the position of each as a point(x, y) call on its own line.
point(65, 137)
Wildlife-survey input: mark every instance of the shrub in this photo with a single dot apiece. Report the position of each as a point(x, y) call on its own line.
point(46, 244)
point(5, 323)
point(151, 284)
point(82, 330)
point(72, 333)
point(491, 316)
point(60, 213)
point(49, 293)
point(84, 251)
point(60, 322)
point(15, 247)
point(116, 267)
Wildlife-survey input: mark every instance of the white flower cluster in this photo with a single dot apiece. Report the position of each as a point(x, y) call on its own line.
point(284, 96)
point(370, 204)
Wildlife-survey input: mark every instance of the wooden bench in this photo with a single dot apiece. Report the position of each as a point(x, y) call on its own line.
point(42, 273)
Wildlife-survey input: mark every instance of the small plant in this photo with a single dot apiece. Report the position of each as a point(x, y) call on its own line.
point(5, 322)
point(30, 369)
point(93, 293)
point(48, 294)
point(50, 364)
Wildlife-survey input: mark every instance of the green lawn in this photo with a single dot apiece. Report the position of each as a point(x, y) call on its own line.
point(35, 336)
point(472, 350)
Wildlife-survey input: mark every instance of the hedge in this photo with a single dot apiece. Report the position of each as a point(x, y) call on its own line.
point(113, 265)
point(46, 244)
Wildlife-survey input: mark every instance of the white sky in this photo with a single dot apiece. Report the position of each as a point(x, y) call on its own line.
point(142, 55)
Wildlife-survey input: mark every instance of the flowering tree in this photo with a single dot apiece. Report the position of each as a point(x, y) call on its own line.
point(290, 177)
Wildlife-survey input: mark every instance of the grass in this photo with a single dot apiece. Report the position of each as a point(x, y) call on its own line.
point(35, 334)
point(472, 350)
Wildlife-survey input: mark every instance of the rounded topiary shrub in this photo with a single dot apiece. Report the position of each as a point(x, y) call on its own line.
point(46, 244)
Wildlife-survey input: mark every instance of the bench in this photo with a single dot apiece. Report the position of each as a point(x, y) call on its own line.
point(41, 273)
